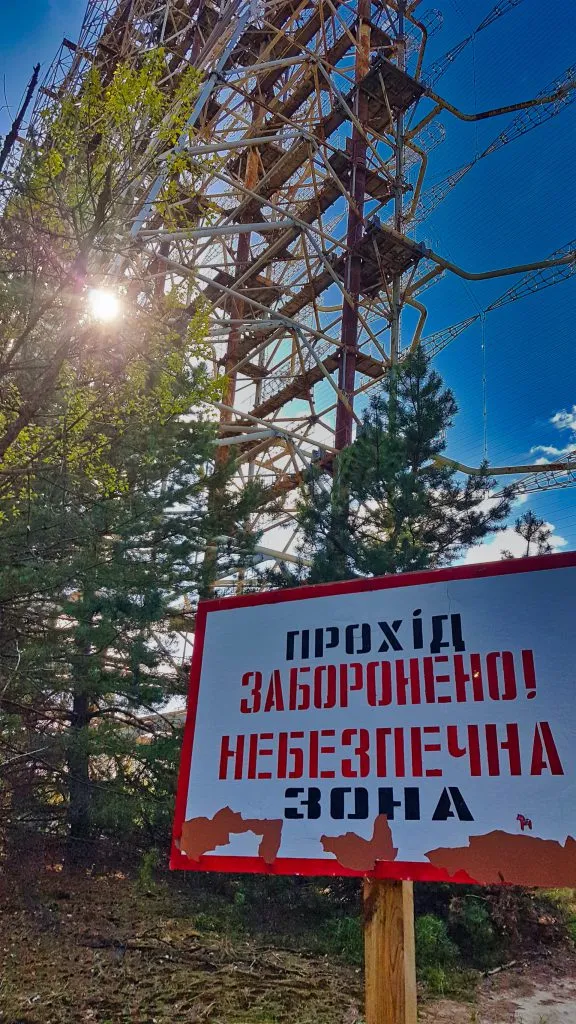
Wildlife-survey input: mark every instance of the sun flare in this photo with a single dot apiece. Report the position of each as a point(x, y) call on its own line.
point(104, 305)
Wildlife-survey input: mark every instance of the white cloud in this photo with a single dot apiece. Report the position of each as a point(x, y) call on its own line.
point(549, 449)
point(493, 498)
point(520, 499)
point(507, 540)
point(564, 419)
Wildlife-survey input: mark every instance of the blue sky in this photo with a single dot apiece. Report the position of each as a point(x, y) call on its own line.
point(515, 206)
point(31, 32)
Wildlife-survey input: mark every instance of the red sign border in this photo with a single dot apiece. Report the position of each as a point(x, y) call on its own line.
point(415, 870)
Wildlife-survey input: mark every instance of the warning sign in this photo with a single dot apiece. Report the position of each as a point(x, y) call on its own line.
point(418, 726)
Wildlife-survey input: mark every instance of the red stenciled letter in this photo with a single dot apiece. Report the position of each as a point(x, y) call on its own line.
point(509, 691)
point(274, 696)
point(227, 753)
point(246, 707)
point(299, 692)
point(361, 751)
point(455, 750)
point(544, 744)
point(511, 744)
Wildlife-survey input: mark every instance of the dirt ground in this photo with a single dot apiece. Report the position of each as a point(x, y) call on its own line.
point(102, 951)
point(541, 990)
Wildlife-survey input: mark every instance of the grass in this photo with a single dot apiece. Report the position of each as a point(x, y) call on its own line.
point(565, 900)
point(110, 949)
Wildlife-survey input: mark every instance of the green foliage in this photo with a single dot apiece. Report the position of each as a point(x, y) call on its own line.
point(536, 534)
point(434, 947)
point(344, 937)
point(392, 504)
point(146, 872)
point(106, 467)
point(89, 581)
point(67, 382)
point(472, 929)
point(439, 959)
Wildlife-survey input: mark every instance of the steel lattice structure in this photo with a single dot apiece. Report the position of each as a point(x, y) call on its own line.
point(312, 131)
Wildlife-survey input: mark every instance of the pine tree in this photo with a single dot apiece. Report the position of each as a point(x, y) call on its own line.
point(94, 583)
point(391, 503)
point(535, 532)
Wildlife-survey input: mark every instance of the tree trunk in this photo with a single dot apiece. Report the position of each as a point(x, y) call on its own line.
point(78, 775)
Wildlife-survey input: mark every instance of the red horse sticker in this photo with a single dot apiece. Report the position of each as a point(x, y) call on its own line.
point(524, 822)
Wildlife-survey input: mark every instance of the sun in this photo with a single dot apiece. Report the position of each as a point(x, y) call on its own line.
point(104, 306)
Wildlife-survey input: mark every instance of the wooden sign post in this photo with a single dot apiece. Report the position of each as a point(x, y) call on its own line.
point(389, 954)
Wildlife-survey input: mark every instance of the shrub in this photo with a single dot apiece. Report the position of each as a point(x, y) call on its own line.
point(471, 928)
point(434, 947)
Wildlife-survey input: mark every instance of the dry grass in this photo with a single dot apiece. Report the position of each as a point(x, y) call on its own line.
point(81, 950)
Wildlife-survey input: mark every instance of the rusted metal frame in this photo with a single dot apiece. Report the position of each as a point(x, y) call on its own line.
point(310, 274)
point(326, 425)
point(295, 282)
point(410, 212)
point(355, 122)
point(251, 454)
point(310, 394)
point(218, 35)
point(293, 41)
point(374, 339)
point(289, 323)
point(419, 25)
point(343, 72)
point(362, 389)
point(153, 191)
point(420, 325)
point(292, 84)
point(425, 121)
point(283, 32)
point(304, 434)
point(344, 192)
point(217, 147)
point(312, 142)
point(258, 351)
point(287, 546)
point(318, 103)
point(397, 298)
point(354, 234)
point(249, 193)
point(410, 280)
point(242, 260)
point(324, 43)
point(300, 386)
point(292, 454)
point(290, 450)
point(242, 414)
point(248, 97)
point(342, 397)
point(347, 297)
point(391, 24)
point(322, 334)
point(346, 28)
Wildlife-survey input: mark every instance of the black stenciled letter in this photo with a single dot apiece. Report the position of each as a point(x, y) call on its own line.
point(391, 641)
